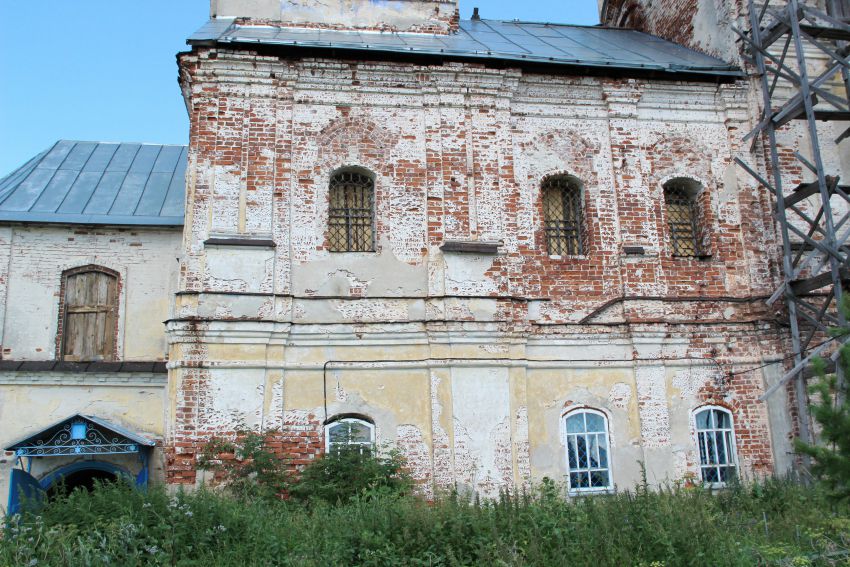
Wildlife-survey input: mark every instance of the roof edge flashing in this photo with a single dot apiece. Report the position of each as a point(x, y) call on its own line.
point(729, 73)
point(538, 43)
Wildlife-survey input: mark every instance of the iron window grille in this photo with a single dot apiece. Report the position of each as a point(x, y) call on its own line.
point(587, 451)
point(716, 444)
point(351, 213)
point(682, 219)
point(562, 216)
point(349, 434)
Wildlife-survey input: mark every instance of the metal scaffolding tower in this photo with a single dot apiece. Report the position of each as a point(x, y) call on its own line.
point(801, 56)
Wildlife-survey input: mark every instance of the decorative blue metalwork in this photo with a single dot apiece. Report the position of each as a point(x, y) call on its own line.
point(78, 437)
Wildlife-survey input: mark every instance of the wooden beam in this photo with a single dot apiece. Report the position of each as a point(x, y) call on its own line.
point(809, 285)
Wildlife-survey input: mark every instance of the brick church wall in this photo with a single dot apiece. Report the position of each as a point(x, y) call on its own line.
point(458, 152)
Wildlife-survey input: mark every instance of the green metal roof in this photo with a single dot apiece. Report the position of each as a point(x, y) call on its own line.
point(521, 42)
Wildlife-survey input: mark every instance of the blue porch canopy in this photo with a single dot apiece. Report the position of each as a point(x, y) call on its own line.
point(81, 435)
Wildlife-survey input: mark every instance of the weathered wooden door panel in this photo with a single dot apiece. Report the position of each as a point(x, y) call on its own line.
point(91, 305)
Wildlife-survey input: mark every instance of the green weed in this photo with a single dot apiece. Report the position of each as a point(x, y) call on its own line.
point(774, 522)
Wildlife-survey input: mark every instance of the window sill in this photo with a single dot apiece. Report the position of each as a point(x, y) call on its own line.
point(568, 257)
point(578, 493)
point(484, 247)
point(241, 242)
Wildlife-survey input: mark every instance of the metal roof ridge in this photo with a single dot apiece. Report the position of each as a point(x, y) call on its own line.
point(104, 142)
point(532, 22)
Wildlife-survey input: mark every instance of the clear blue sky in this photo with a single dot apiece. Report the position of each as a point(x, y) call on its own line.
point(105, 69)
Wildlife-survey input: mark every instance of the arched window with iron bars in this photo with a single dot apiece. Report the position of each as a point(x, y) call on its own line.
point(351, 212)
point(563, 215)
point(681, 205)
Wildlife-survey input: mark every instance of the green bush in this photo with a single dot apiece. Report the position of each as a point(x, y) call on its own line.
point(248, 468)
point(246, 465)
point(831, 457)
point(351, 472)
point(772, 523)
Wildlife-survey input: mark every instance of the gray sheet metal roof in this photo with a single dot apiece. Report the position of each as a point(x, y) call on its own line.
point(98, 183)
point(528, 42)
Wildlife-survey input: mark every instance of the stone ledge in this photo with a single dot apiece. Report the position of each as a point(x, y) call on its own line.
point(470, 247)
point(254, 242)
point(127, 379)
point(152, 367)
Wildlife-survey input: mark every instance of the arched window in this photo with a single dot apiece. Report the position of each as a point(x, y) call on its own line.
point(349, 433)
point(351, 212)
point(588, 459)
point(89, 314)
point(716, 443)
point(683, 216)
point(563, 215)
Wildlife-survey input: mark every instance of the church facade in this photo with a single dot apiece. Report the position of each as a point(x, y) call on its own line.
point(511, 250)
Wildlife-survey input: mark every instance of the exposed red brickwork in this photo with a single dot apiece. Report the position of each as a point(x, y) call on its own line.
point(735, 388)
point(184, 438)
point(670, 19)
point(458, 152)
point(301, 439)
point(374, 144)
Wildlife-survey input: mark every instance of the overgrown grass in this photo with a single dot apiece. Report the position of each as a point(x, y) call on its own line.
point(771, 523)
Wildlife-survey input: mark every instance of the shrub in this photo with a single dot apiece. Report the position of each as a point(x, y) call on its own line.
point(832, 412)
point(352, 472)
point(246, 465)
point(742, 526)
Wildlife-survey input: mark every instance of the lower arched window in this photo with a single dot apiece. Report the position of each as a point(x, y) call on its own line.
point(349, 433)
point(716, 443)
point(588, 461)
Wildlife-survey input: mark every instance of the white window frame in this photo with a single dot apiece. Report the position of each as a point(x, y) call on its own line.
point(566, 438)
point(368, 424)
point(731, 462)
